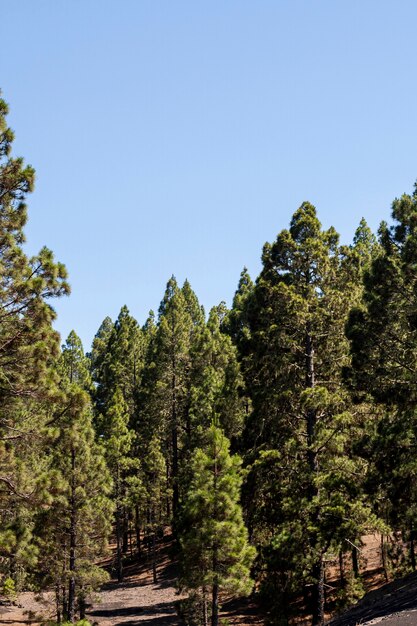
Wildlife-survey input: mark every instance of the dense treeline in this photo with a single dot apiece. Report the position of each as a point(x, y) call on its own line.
point(268, 438)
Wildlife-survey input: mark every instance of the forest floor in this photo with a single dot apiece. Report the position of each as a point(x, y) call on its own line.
point(137, 601)
point(140, 602)
point(387, 603)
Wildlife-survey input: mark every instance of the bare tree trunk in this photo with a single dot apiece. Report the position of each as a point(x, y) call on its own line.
point(137, 530)
point(119, 557)
point(154, 571)
point(412, 551)
point(82, 605)
point(153, 526)
point(342, 577)
point(318, 594)
point(64, 587)
point(64, 602)
point(125, 517)
point(72, 547)
point(205, 619)
point(174, 418)
point(58, 603)
point(384, 557)
point(215, 606)
point(130, 539)
point(355, 562)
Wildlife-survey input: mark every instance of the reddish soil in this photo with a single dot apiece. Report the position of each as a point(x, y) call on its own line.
point(391, 604)
point(139, 602)
point(135, 602)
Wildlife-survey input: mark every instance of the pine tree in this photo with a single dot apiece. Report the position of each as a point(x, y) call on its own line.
point(383, 334)
point(117, 365)
point(74, 365)
point(299, 432)
point(216, 555)
point(98, 356)
point(192, 304)
point(215, 382)
point(155, 483)
point(165, 391)
point(119, 440)
point(237, 323)
point(73, 531)
point(28, 347)
point(117, 361)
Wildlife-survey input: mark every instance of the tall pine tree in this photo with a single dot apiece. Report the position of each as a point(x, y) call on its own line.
point(216, 555)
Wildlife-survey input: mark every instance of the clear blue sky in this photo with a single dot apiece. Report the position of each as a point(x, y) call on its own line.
point(178, 136)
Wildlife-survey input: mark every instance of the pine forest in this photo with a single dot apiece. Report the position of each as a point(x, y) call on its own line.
point(254, 447)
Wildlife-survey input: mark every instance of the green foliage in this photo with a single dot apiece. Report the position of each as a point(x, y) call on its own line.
point(164, 395)
point(72, 533)
point(9, 589)
point(28, 348)
point(215, 552)
point(310, 375)
point(299, 434)
point(352, 591)
point(191, 609)
point(382, 332)
point(215, 382)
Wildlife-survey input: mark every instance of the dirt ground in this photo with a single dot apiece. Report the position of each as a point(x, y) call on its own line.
point(393, 604)
point(135, 602)
point(389, 604)
point(139, 602)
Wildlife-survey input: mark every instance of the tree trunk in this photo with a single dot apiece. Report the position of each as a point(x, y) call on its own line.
point(64, 602)
point(215, 605)
point(82, 605)
point(215, 564)
point(125, 531)
point(154, 572)
point(119, 557)
point(355, 562)
point(64, 587)
point(205, 619)
point(317, 594)
point(174, 417)
point(412, 551)
point(153, 526)
point(342, 577)
point(384, 558)
point(72, 547)
point(130, 539)
point(137, 530)
point(58, 603)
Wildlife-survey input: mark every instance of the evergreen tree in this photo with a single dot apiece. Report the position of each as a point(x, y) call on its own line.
point(155, 482)
point(215, 383)
point(74, 365)
point(97, 356)
point(117, 362)
point(383, 334)
point(300, 430)
point(73, 531)
point(118, 443)
point(192, 305)
point(237, 323)
point(28, 347)
point(216, 555)
point(166, 387)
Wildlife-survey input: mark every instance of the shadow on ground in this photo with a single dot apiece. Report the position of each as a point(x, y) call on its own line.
point(394, 603)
